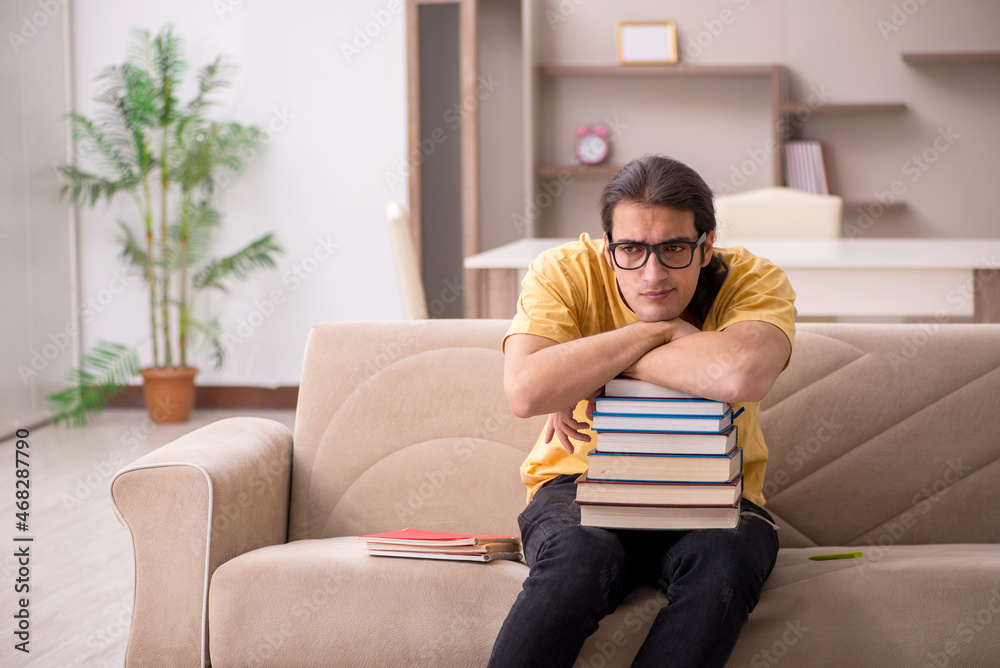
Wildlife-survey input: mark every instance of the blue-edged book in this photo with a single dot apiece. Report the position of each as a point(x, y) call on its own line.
point(664, 468)
point(702, 424)
point(667, 443)
point(649, 406)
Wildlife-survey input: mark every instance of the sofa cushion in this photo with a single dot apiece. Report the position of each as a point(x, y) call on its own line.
point(903, 605)
point(405, 424)
point(328, 603)
point(876, 428)
point(920, 605)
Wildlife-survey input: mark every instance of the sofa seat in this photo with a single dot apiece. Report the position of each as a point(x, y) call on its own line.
point(453, 610)
point(894, 603)
point(340, 606)
point(325, 602)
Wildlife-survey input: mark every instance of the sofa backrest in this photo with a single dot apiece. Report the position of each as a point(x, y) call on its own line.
point(886, 434)
point(878, 434)
point(405, 424)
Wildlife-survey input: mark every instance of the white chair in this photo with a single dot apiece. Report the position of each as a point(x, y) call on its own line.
point(411, 285)
point(778, 212)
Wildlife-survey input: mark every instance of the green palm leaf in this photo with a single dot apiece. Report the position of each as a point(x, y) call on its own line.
point(202, 223)
point(211, 78)
point(132, 251)
point(105, 372)
point(109, 147)
point(257, 255)
point(159, 58)
point(130, 95)
point(83, 187)
point(129, 112)
point(196, 141)
point(168, 68)
point(211, 149)
point(208, 332)
point(237, 144)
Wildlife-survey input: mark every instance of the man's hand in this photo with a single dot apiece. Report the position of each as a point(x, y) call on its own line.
point(680, 328)
point(676, 328)
point(563, 425)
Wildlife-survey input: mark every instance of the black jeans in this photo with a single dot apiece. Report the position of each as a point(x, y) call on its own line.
point(712, 579)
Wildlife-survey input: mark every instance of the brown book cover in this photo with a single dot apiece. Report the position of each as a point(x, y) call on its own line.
point(659, 493)
point(665, 468)
point(658, 517)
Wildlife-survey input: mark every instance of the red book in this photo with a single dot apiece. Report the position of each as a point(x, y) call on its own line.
point(437, 538)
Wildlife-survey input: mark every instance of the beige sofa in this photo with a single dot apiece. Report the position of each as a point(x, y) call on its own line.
point(881, 437)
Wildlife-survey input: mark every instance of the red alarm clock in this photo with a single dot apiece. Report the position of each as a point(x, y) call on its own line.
point(592, 146)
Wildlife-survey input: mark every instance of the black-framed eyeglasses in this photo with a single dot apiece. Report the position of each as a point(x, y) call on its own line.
point(631, 255)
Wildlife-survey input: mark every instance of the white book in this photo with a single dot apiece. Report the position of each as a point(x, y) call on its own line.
point(652, 406)
point(795, 175)
point(811, 177)
point(791, 169)
point(665, 423)
point(675, 443)
point(632, 387)
point(816, 153)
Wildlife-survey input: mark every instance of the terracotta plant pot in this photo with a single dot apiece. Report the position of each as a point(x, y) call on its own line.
point(169, 393)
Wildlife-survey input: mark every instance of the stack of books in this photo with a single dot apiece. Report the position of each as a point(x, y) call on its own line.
point(804, 168)
point(418, 544)
point(664, 459)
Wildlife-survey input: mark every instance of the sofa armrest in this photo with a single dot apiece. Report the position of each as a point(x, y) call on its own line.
point(190, 506)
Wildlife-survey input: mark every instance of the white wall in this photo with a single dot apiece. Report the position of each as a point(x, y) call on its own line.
point(37, 322)
point(341, 121)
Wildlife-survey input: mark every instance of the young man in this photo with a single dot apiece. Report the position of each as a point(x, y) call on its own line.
point(655, 301)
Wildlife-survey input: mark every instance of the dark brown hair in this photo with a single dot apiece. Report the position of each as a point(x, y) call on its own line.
point(658, 180)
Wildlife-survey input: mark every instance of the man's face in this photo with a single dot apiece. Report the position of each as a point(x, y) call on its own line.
point(654, 292)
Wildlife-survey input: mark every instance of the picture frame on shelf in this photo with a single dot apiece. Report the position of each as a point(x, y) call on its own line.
point(646, 42)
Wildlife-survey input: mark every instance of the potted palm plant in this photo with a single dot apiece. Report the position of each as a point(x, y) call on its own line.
point(168, 158)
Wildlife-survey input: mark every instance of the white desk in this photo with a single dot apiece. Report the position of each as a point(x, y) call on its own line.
point(891, 278)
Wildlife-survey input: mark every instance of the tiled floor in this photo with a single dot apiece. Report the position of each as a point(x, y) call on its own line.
point(80, 597)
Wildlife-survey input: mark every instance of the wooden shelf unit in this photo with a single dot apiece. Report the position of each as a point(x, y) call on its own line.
point(773, 73)
point(659, 70)
point(952, 57)
point(546, 82)
point(846, 108)
point(780, 109)
point(593, 171)
point(854, 205)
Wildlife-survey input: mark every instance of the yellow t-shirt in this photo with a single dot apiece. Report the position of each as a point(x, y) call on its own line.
point(570, 292)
